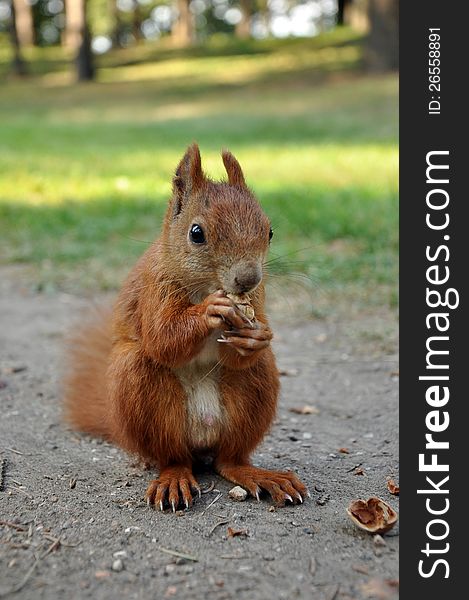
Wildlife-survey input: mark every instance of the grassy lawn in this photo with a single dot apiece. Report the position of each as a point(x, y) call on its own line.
point(85, 170)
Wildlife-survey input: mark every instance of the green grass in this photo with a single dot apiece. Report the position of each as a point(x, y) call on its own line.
point(85, 170)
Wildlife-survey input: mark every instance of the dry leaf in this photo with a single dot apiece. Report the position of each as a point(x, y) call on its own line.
point(304, 410)
point(393, 487)
point(380, 589)
point(344, 450)
point(237, 532)
point(359, 472)
point(373, 515)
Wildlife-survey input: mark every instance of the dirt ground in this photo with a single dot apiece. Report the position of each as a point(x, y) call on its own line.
point(73, 523)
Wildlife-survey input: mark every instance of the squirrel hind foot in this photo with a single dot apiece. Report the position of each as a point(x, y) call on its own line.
point(282, 486)
point(173, 487)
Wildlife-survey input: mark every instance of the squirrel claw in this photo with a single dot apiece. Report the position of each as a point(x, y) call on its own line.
point(173, 488)
point(283, 486)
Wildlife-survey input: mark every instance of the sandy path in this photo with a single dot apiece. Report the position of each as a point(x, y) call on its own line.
point(312, 551)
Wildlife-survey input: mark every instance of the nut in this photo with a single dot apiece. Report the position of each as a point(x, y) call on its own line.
point(243, 304)
point(373, 515)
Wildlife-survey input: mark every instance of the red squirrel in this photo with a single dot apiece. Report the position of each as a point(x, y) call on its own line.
point(178, 370)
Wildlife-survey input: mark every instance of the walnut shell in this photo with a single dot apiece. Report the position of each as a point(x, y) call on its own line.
point(373, 515)
point(242, 302)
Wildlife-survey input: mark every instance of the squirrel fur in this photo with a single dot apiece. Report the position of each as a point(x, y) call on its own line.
point(176, 370)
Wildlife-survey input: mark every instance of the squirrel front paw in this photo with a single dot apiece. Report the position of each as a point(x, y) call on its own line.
point(247, 341)
point(220, 311)
point(173, 486)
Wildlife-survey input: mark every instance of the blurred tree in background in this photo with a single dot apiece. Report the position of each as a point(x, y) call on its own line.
point(383, 40)
point(87, 27)
point(284, 83)
point(18, 64)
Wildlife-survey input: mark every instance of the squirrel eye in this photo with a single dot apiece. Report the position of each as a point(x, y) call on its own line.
point(271, 233)
point(196, 234)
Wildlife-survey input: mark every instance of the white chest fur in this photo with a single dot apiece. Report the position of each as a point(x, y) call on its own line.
point(199, 378)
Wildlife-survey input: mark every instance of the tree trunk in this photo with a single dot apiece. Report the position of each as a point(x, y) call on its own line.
point(243, 28)
point(18, 64)
point(340, 11)
point(137, 22)
point(354, 13)
point(116, 23)
point(75, 11)
point(183, 32)
point(24, 22)
point(382, 48)
point(78, 38)
point(84, 60)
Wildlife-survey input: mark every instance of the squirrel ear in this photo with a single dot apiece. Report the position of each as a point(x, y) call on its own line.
point(189, 176)
point(233, 168)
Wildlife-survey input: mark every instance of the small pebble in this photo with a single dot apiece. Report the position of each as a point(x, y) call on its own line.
point(118, 565)
point(238, 493)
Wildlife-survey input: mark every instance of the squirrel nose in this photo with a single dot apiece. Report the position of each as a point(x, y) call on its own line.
point(247, 278)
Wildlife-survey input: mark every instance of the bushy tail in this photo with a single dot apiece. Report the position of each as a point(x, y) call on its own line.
point(85, 391)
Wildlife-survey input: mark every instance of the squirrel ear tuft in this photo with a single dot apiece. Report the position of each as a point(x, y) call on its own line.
point(233, 168)
point(188, 177)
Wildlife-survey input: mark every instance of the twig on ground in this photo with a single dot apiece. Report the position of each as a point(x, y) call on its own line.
point(12, 525)
point(354, 467)
point(51, 538)
point(18, 489)
point(211, 503)
point(14, 451)
point(178, 554)
point(224, 522)
point(210, 488)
